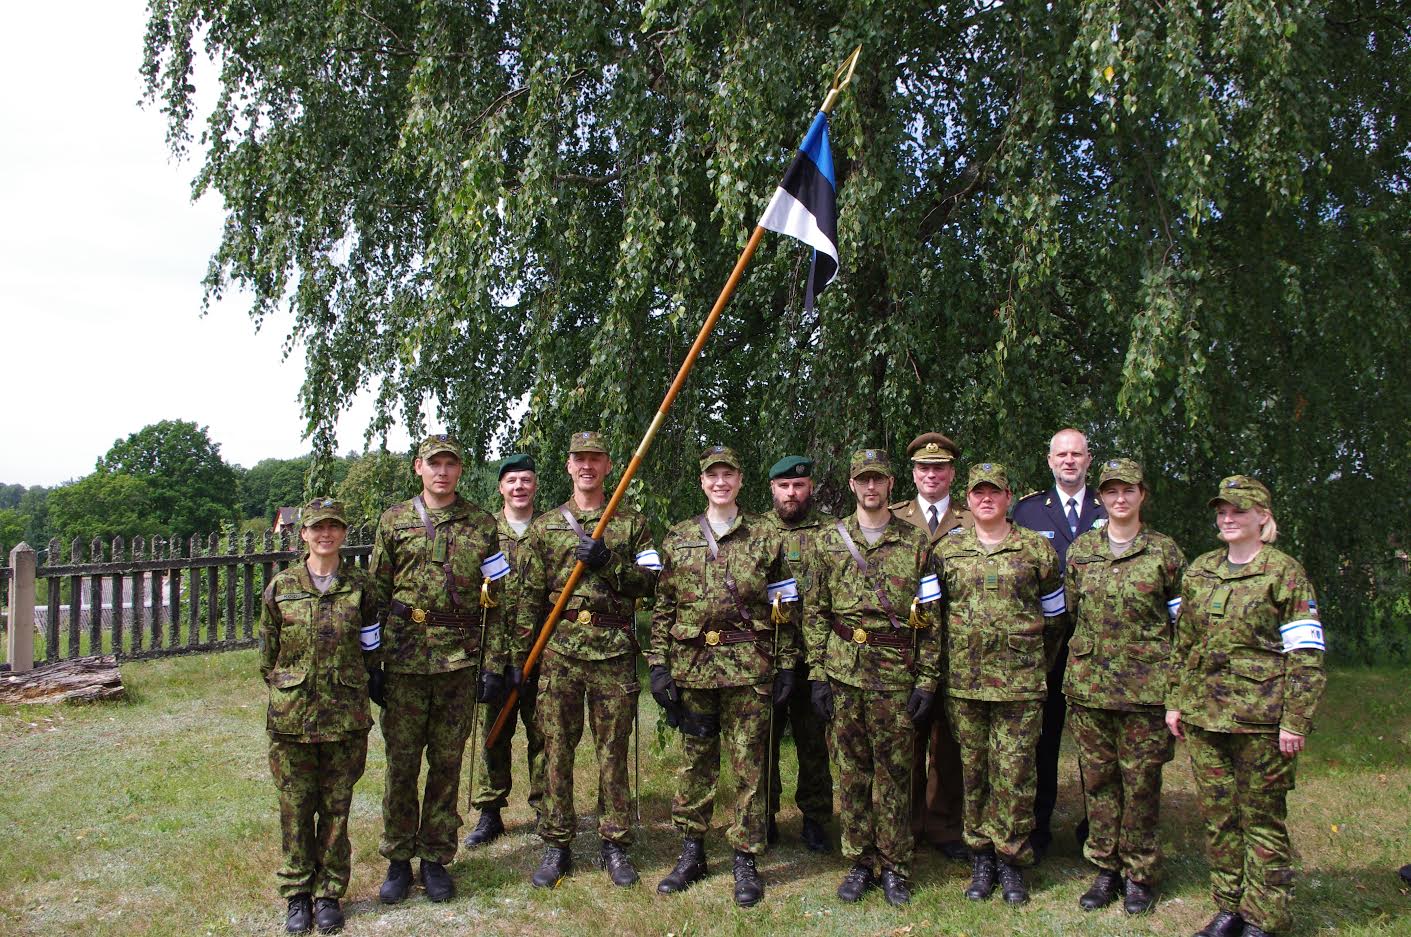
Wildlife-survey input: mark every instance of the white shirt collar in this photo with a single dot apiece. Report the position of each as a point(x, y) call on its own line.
point(1081, 497)
point(942, 506)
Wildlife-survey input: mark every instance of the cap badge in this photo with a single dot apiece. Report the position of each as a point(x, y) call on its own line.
point(987, 466)
point(870, 454)
point(1112, 464)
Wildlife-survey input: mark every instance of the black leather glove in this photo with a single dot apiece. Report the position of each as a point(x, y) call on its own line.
point(664, 688)
point(513, 676)
point(377, 685)
point(783, 686)
point(822, 695)
point(593, 553)
point(491, 689)
point(919, 706)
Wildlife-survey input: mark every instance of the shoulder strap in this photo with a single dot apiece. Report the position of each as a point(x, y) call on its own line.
point(430, 526)
point(730, 586)
point(572, 521)
point(863, 569)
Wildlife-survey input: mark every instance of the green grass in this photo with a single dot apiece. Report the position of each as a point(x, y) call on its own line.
point(157, 816)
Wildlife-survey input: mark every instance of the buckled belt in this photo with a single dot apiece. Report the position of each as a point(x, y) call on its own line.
point(602, 619)
point(879, 638)
point(717, 638)
point(423, 616)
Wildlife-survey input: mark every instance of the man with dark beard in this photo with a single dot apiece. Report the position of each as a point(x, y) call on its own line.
point(791, 486)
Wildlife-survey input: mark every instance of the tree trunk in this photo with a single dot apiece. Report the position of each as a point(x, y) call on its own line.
point(82, 679)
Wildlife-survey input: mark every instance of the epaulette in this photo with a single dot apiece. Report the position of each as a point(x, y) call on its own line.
point(1032, 494)
point(898, 504)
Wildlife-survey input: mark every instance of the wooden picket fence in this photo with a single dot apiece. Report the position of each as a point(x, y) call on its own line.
point(162, 596)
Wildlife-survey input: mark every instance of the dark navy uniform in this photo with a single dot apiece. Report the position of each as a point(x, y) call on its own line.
point(1046, 512)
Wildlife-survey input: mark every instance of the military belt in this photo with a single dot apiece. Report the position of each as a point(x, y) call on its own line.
point(602, 619)
point(718, 638)
point(424, 616)
point(879, 638)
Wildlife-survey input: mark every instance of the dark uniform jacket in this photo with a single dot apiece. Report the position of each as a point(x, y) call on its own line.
point(1045, 512)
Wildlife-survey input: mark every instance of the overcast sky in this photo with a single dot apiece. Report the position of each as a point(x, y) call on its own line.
point(101, 258)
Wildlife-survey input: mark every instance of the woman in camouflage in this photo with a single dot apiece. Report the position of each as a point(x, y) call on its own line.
point(1247, 677)
point(1123, 586)
point(319, 655)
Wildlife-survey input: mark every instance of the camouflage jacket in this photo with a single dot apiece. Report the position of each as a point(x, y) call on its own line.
point(1005, 615)
point(312, 653)
point(839, 594)
point(512, 586)
point(407, 568)
point(1122, 609)
point(693, 602)
point(1249, 646)
point(547, 560)
point(798, 539)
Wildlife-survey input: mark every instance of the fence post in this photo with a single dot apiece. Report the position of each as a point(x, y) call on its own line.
point(20, 644)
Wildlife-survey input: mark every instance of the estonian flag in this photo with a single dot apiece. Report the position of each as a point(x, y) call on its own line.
point(805, 207)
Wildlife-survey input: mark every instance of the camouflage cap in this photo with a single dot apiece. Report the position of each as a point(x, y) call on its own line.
point(322, 509)
point(933, 449)
point(1243, 492)
point(519, 462)
point(870, 460)
point(987, 473)
point(1120, 470)
point(438, 443)
point(587, 441)
point(791, 466)
point(714, 454)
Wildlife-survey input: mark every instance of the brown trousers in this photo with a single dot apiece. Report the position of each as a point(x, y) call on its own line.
point(937, 786)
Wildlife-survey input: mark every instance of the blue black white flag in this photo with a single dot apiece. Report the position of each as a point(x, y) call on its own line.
point(805, 206)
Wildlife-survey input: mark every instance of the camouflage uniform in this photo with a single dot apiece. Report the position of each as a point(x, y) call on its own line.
point(315, 651)
point(873, 738)
point(492, 786)
point(1248, 662)
point(591, 654)
point(1115, 682)
point(813, 794)
point(1004, 620)
point(431, 664)
point(727, 681)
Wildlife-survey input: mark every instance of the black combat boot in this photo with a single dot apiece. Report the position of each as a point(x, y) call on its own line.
point(1223, 924)
point(1405, 873)
point(856, 883)
point(1102, 893)
point(894, 888)
point(814, 836)
point(328, 915)
point(300, 916)
point(1139, 898)
point(487, 829)
point(398, 883)
point(749, 887)
point(1011, 883)
point(619, 867)
point(557, 863)
point(437, 881)
point(690, 867)
point(982, 876)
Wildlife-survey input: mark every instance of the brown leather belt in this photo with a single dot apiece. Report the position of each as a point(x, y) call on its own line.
point(897, 640)
point(718, 638)
point(423, 616)
point(601, 619)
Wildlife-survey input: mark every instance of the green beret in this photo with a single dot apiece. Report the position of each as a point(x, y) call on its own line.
point(519, 462)
point(791, 466)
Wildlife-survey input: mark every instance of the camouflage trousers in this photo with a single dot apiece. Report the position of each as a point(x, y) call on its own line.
point(743, 713)
point(315, 782)
point(873, 741)
point(493, 780)
point(608, 690)
point(997, 742)
point(813, 794)
point(1243, 783)
point(426, 712)
point(1120, 757)
point(938, 786)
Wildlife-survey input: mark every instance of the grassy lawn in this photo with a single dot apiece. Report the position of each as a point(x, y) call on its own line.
point(158, 816)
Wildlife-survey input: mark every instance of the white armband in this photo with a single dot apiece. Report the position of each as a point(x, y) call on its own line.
point(370, 637)
point(929, 590)
point(1173, 608)
point(649, 559)
point(786, 590)
point(1054, 604)
point(496, 566)
point(1303, 634)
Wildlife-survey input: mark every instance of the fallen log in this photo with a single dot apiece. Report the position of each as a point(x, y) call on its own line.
point(81, 679)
